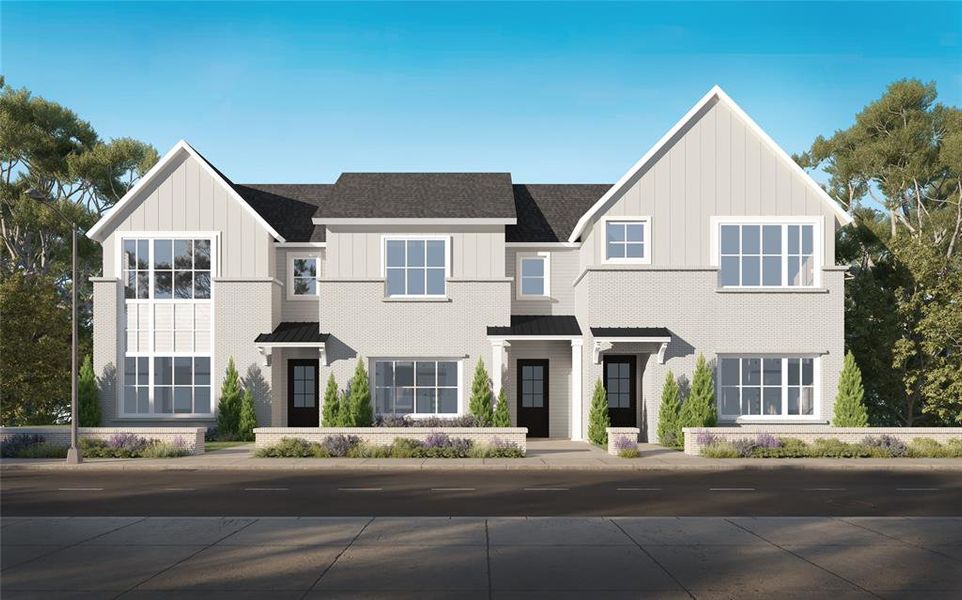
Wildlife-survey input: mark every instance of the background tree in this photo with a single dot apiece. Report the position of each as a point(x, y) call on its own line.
point(898, 168)
point(329, 414)
point(598, 418)
point(502, 418)
point(849, 406)
point(247, 420)
point(480, 402)
point(228, 408)
point(359, 400)
point(699, 408)
point(669, 414)
point(88, 397)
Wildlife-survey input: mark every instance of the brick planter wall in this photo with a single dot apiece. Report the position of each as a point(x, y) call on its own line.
point(192, 436)
point(385, 436)
point(616, 432)
point(810, 433)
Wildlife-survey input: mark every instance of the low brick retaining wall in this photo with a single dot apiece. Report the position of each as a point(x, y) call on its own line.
point(810, 433)
point(385, 436)
point(193, 436)
point(617, 432)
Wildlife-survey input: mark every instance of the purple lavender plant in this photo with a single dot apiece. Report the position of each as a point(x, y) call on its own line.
point(437, 440)
point(894, 446)
point(707, 439)
point(767, 440)
point(340, 445)
point(127, 443)
point(623, 442)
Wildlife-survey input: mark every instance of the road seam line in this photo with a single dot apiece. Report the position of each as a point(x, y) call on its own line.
point(80, 489)
point(336, 558)
point(266, 489)
point(745, 489)
point(360, 489)
point(637, 489)
point(651, 556)
point(454, 489)
point(545, 489)
point(899, 540)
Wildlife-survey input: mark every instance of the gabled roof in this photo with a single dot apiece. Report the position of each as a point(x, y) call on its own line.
point(549, 212)
point(103, 227)
point(655, 151)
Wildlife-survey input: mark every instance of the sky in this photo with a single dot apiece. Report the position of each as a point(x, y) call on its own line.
point(552, 92)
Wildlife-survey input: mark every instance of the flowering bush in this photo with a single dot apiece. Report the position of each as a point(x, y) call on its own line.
point(894, 446)
point(407, 421)
point(340, 445)
point(17, 443)
point(438, 446)
point(706, 439)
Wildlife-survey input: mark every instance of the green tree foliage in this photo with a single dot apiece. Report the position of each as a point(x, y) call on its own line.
point(331, 411)
point(480, 402)
point(699, 408)
point(34, 347)
point(669, 414)
point(502, 418)
point(849, 406)
point(359, 413)
point(598, 418)
point(88, 398)
point(898, 168)
point(228, 408)
point(247, 420)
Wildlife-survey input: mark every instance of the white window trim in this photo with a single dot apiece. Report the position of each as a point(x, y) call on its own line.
point(416, 415)
point(120, 236)
point(818, 248)
point(519, 294)
point(603, 221)
point(414, 236)
point(291, 257)
point(816, 389)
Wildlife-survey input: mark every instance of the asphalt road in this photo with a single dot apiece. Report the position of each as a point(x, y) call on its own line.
point(486, 493)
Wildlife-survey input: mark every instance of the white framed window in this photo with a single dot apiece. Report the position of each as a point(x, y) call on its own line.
point(533, 275)
point(416, 266)
point(166, 268)
point(627, 239)
point(767, 252)
point(767, 387)
point(302, 273)
point(417, 387)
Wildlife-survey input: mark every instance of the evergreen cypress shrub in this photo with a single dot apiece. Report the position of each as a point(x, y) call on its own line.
point(329, 414)
point(87, 396)
point(699, 408)
point(669, 414)
point(360, 411)
point(228, 408)
point(598, 419)
point(502, 418)
point(850, 402)
point(480, 403)
point(247, 420)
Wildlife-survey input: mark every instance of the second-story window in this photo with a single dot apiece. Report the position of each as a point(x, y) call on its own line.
point(415, 267)
point(303, 276)
point(767, 255)
point(627, 240)
point(534, 272)
point(179, 269)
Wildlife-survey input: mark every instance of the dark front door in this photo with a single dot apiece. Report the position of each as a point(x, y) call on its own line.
point(302, 390)
point(533, 397)
point(621, 389)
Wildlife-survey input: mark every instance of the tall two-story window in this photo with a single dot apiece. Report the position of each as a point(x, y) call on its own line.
point(628, 240)
point(766, 386)
point(167, 355)
point(534, 275)
point(767, 255)
point(415, 267)
point(302, 276)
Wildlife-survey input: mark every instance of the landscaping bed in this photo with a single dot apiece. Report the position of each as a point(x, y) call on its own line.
point(119, 445)
point(435, 445)
point(769, 446)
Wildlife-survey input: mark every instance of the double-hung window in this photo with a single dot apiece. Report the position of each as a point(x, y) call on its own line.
point(302, 276)
point(628, 240)
point(766, 386)
point(534, 275)
point(767, 254)
point(415, 266)
point(416, 387)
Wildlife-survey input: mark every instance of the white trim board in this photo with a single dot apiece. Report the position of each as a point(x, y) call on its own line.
point(104, 226)
point(413, 221)
point(648, 158)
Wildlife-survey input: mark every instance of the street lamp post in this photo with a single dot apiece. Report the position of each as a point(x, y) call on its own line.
point(73, 453)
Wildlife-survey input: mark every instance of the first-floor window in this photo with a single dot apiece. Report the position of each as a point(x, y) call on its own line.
point(165, 385)
point(766, 386)
point(419, 387)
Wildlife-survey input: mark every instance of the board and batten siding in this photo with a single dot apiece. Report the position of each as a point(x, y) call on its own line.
point(354, 252)
point(716, 166)
point(187, 198)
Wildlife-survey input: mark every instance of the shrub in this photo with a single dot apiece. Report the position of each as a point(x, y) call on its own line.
point(359, 411)
point(707, 439)
point(669, 417)
point(721, 450)
point(159, 449)
point(480, 403)
point(849, 403)
point(329, 415)
point(832, 448)
point(629, 453)
point(340, 445)
point(497, 449)
point(954, 446)
point(126, 445)
point(767, 440)
point(44, 450)
point(502, 417)
point(248, 417)
point(292, 448)
point(743, 447)
point(13, 445)
point(228, 408)
point(598, 418)
point(699, 408)
point(437, 440)
point(405, 447)
point(626, 447)
point(407, 421)
point(88, 400)
point(891, 445)
point(929, 448)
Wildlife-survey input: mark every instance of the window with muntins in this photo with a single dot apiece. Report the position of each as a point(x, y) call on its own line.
point(180, 269)
point(533, 275)
point(766, 386)
point(626, 241)
point(767, 255)
point(416, 387)
point(304, 276)
point(415, 267)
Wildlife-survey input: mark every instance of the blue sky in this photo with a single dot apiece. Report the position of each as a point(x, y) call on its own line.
point(570, 92)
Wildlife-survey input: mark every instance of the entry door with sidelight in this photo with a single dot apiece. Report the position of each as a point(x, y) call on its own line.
point(302, 393)
point(533, 396)
point(620, 386)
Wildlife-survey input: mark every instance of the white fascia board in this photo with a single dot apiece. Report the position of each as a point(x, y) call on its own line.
point(715, 92)
point(635, 340)
point(300, 244)
point(411, 221)
point(542, 244)
point(100, 230)
point(532, 338)
point(289, 344)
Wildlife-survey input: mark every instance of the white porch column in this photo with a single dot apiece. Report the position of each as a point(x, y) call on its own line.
point(576, 389)
point(498, 361)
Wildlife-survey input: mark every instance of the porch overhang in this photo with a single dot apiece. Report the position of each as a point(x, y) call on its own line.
point(293, 334)
point(537, 328)
point(606, 337)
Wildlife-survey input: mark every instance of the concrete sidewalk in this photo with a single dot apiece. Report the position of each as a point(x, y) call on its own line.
point(542, 455)
point(440, 557)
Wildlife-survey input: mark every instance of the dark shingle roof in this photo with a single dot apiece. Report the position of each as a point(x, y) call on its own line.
point(539, 325)
point(549, 212)
point(288, 207)
point(615, 332)
point(294, 332)
point(420, 196)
